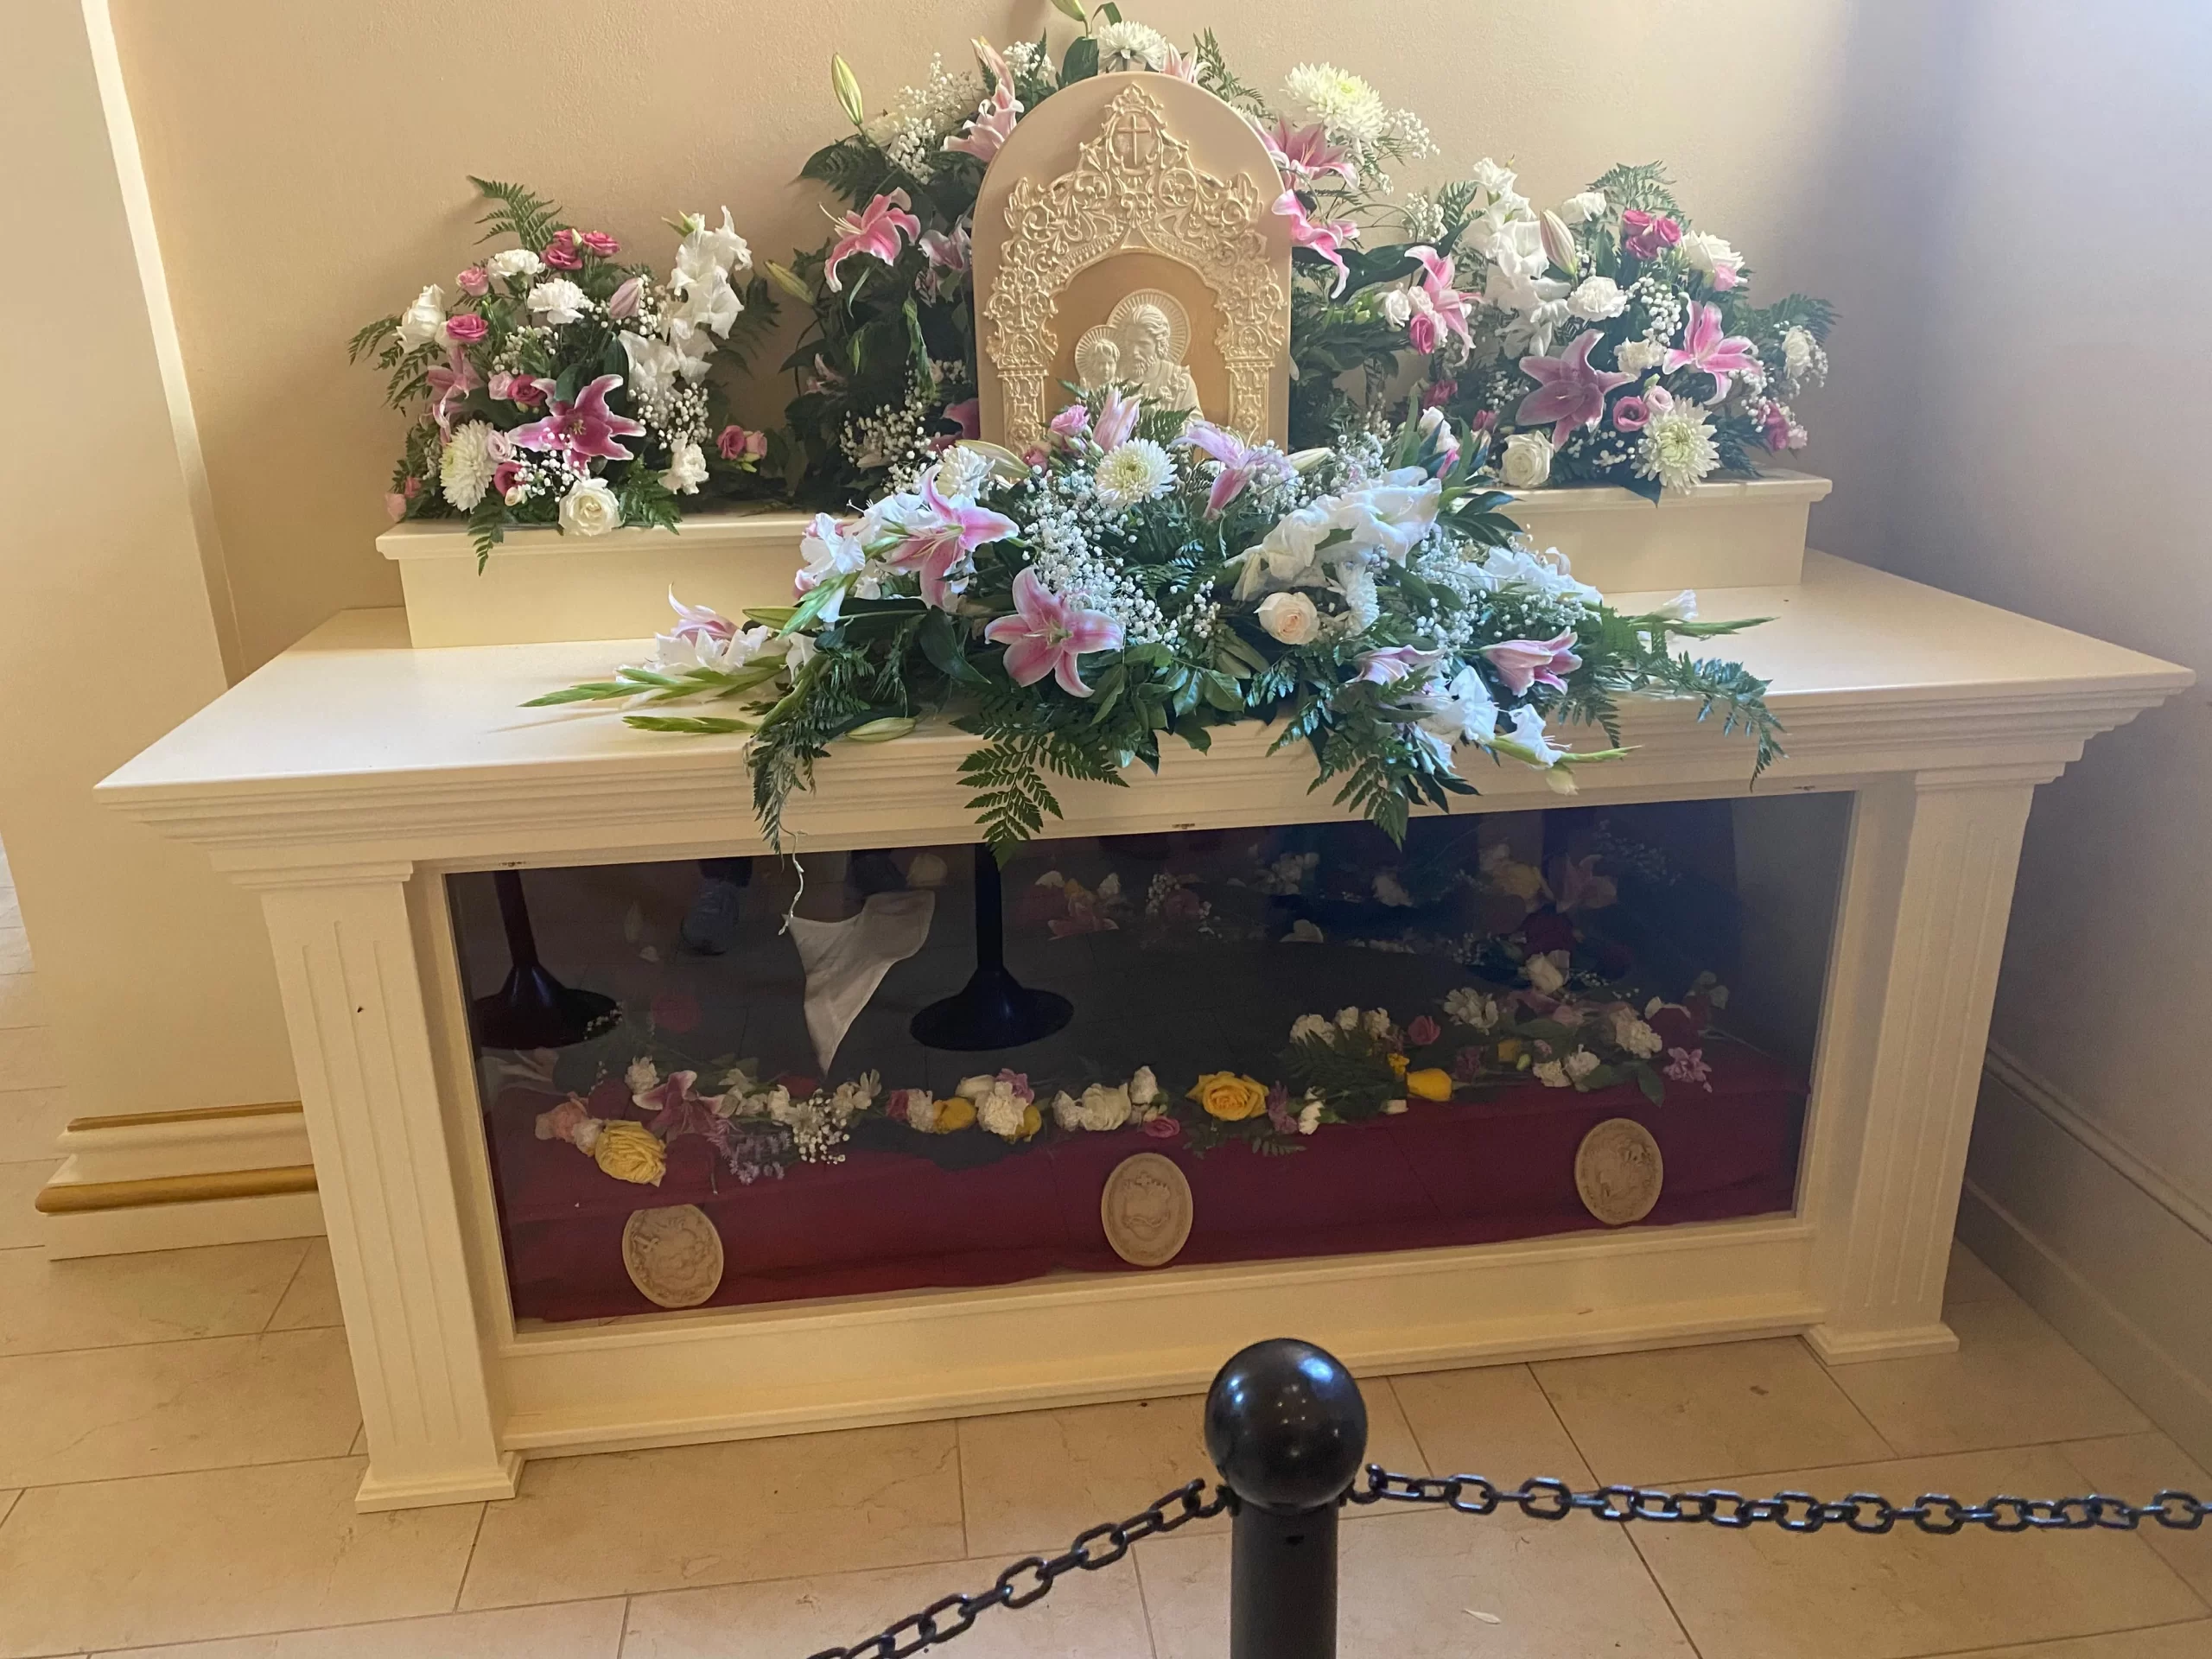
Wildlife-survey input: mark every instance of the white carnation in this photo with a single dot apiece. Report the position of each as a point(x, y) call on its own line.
point(1637, 356)
point(1553, 1075)
point(1144, 1088)
point(1637, 1037)
point(1581, 1064)
point(559, 301)
point(472, 455)
point(514, 262)
point(921, 1110)
point(1597, 298)
point(1067, 1111)
point(1546, 973)
point(961, 471)
point(642, 1076)
point(687, 467)
point(1138, 471)
point(589, 508)
point(1581, 209)
point(1002, 1112)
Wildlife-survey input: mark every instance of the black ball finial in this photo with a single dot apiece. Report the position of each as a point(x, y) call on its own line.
point(1286, 1425)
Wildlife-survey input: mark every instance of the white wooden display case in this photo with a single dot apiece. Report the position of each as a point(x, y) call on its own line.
point(348, 778)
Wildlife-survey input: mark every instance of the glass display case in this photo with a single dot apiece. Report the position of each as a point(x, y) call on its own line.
point(742, 1081)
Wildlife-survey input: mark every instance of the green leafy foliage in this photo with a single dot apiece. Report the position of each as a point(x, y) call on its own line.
point(517, 212)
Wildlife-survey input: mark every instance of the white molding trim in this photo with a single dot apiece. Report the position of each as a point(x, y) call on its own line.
point(2066, 1116)
point(169, 348)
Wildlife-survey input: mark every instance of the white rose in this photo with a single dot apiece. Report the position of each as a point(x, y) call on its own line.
point(420, 323)
point(1104, 1109)
point(1527, 463)
point(1067, 1111)
point(1597, 298)
point(1702, 250)
point(589, 508)
point(559, 301)
point(1581, 1064)
point(1144, 1088)
point(1290, 618)
point(687, 468)
point(514, 262)
point(1581, 209)
point(1635, 356)
point(1396, 307)
point(1546, 975)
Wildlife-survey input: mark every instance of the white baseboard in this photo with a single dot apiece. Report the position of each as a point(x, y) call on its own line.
point(2117, 1261)
point(171, 1180)
point(183, 1226)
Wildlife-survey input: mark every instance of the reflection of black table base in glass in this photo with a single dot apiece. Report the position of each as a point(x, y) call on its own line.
point(533, 1009)
point(993, 1009)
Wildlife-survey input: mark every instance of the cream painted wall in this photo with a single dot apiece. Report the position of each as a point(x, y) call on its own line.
point(154, 971)
point(307, 169)
point(2055, 465)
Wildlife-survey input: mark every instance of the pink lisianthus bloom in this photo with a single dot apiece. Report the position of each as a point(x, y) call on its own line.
point(1648, 235)
point(993, 123)
point(1326, 239)
point(562, 253)
point(1072, 423)
point(1422, 1031)
point(1304, 155)
point(1241, 463)
point(1117, 419)
point(939, 540)
point(1035, 455)
point(968, 415)
point(1436, 393)
point(1631, 414)
point(466, 328)
point(504, 477)
point(1704, 348)
point(1570, 392)
point(584, 430)
point(601, 243)
point(1047, 633)
point(1388, 665)
point(520, 389)
point(1482, 420)
point(475, 282)
point(1774, 426)
point(737, 444)
point(1439, 309)
point(881, 230)
point(622, 303)
point(1523, 663)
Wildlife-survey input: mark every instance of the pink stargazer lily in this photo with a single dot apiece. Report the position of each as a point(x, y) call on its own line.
point(1704, 348)
point(452, 384)
point(881, 230)
point(1117, 419)
point(1241, 462)
point(1304, 153)
point(698, 624)
point(1523, 663)
point(993, 123)
point(940, 538)
point(1326, 239)
point(1569, 391)
point(1388, 665)
point(1047, 633)
point(584, 430)
point(1438, 309)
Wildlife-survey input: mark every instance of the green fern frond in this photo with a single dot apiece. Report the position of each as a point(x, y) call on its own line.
point(519, 213)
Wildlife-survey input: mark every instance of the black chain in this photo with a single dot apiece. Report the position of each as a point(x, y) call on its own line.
point(1546, 1499)
point(1542, 1498)
point(1031, 1579)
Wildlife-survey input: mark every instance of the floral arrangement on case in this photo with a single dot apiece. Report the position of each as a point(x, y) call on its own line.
point(1467, 287)
point(1150, 577)
point(1351, 1067)
point(558, 386)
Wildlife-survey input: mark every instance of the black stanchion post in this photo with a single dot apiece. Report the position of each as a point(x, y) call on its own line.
point(1287, 1428)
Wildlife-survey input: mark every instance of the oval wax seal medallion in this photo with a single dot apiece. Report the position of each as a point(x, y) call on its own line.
point(673, 1255)
point(1618, 1172)
point(1147, 1210)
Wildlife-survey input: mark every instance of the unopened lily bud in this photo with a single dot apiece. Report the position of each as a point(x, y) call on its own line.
point(888, 729)
point(1559, 243)
point(847, 87)
point(1071, 8)
point(787, 279)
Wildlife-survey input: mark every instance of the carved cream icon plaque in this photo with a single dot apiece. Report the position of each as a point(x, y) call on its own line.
point(673, 1255)
point(1618, 1172)
point(1125, 235)
point(1147, 1210)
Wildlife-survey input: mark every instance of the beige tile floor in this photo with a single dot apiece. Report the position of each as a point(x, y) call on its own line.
point(180, 1442)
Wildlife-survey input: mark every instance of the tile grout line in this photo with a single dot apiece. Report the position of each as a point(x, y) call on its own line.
point(1144, 1603)
point(313, 1630)
point(960, 1482)
point(622, 1634)
point(1858, 1411)
point(2054, 1643)
point(1407, 1417)
point(277, 1306)
point(468, 1561)
point(1673, 1611)
point(9, 1508)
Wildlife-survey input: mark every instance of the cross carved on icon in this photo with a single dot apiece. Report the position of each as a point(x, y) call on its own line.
point(1135, 142)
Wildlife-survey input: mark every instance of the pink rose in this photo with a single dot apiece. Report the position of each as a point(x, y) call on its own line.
point(623, 302)
point(504, 477)
point(600, 242)
point(1162, 1128)
point(1423, 1031)
point(1484, 420)
point(1648, 235)
point(738, 444)
point(475, 280)
point(561, 252)
point(1438, 393)
point(466, 328)
point(1071, 422)
point(395, 505)
point(1632, 415)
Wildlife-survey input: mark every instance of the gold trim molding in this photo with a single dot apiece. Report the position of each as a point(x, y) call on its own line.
point(77, 1197)
point(189, 1115)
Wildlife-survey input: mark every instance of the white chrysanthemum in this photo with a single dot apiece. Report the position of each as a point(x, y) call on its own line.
point(1131, 46)
point(1137, 471)
point(1350, 109)
point(1677, 448)
point(465, 470)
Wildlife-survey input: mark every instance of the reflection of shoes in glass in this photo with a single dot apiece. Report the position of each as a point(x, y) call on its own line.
point(710, 926)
